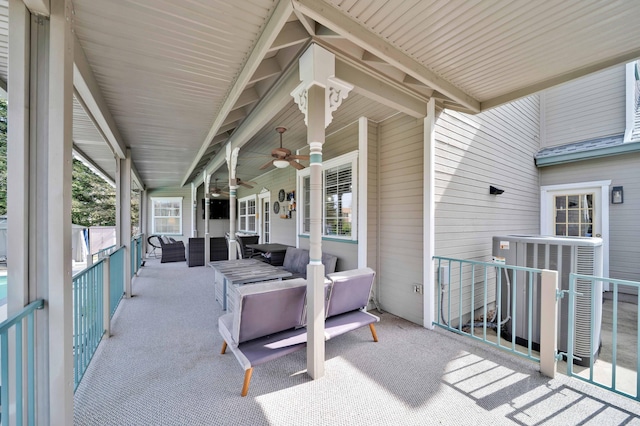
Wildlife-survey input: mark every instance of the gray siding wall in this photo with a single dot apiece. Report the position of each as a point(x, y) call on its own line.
point(400, 159)
point(185, 193)
point(473, 152)
point(588, 108)
point(283, 230)
point(624, 226)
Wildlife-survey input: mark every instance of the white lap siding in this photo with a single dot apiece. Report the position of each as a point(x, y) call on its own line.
point(472, 153)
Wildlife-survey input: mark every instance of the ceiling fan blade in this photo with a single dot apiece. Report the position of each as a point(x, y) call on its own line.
point(298, 157)
point(296, 165)
point(266, 165)
point(280, 153)
point(246, 185)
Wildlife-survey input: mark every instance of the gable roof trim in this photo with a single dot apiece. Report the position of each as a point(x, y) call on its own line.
point(585, 150)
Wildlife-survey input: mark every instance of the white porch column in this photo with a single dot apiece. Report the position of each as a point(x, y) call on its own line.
point(207, 198)
point(232, 161)
point(194, 211)
point(429, 208)
point(318, 95)
point(144, 211)
point(39, 196)
point(123, 215)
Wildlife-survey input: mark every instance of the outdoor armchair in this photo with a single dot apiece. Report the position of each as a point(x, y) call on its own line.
point(172, 250)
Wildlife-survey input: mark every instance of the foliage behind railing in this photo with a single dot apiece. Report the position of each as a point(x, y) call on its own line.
point(24, 393)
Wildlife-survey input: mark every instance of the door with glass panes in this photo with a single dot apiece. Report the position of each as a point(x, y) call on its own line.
point(576, 210)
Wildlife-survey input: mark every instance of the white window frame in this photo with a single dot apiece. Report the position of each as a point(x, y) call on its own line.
point(247, 215)
point(630, 104)
point(547, 193)
point(260, 219)
point(154, 200)
point(351, 157)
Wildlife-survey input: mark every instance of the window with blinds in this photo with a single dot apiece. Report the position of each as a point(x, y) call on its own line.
point(339, 189)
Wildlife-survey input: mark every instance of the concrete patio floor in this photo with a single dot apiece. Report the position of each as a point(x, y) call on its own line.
point(162, 365)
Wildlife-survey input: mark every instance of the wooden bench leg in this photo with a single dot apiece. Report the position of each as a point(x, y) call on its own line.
point(224, 347)
point(373, 332)
point(247, 379)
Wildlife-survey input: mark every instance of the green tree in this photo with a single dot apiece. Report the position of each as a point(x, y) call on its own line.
point(93, 200)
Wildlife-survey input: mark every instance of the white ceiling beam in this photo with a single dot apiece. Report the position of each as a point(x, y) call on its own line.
point(351, 30)
point(234, 116)
point(247, 97)
point(278, 19)
point(87, 161)
point(384, 92)
point(292, 34)
point(275, 101)
point(571, 75)
point(134, 171)
point(309, 24)
point(267, 68)
point(225, 129)
point(369, 57)
point(38, 7)
point(322, 31)
point(95, 106)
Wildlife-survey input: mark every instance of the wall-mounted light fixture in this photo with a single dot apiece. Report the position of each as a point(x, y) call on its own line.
point(495, 191)
point(617, 196)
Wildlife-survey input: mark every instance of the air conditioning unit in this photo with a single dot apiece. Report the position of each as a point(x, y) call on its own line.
point(566, 255)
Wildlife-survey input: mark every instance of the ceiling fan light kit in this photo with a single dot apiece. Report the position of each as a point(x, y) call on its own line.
point(282, 157)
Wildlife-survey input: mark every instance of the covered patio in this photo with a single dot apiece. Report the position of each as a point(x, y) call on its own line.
point(162, 365)
point(170, 99)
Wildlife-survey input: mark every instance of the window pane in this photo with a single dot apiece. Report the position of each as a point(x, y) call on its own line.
point(167, 216)
point(306, 208)
point(573, 201)
point(337, 196)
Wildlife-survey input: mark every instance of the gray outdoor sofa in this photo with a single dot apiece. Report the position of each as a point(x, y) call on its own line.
point(297, 259)
point(270, 318)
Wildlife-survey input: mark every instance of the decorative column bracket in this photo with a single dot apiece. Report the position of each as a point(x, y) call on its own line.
point(317, 67)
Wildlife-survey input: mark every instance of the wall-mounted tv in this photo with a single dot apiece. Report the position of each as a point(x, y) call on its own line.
point(218, 208)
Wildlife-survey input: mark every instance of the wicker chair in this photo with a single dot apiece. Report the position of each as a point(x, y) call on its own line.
point(154, 241)
point(243, 240)
point(172, 250)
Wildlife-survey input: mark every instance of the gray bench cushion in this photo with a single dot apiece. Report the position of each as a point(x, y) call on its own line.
point(268, 308)
point(297, 259)
point(350, 290)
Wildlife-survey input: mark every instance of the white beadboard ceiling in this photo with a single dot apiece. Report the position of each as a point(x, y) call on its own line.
point(178, 78)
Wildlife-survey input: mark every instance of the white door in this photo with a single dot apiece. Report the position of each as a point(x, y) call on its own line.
point(265, 218)
point(577, 210)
